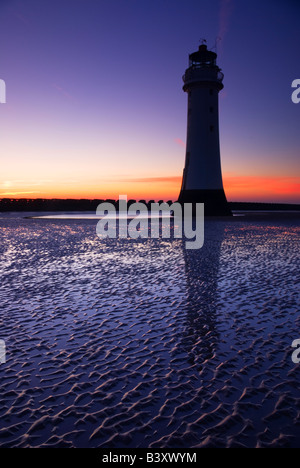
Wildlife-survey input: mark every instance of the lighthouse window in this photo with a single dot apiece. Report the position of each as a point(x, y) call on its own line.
point(211, 128)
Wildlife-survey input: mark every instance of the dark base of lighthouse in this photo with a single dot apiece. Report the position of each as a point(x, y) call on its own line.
point(215, 203)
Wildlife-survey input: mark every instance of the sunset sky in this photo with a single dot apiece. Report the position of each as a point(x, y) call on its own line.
point(95, 106)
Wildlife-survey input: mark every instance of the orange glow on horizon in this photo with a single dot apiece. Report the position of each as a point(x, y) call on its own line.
point(237, 188)
point(262, 188)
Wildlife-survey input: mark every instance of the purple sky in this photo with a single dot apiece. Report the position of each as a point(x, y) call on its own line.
point(95, 104)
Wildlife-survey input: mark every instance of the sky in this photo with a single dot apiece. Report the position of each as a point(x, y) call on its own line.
point(95, 107)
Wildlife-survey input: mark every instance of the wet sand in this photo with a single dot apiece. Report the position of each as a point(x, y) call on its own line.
point(142, 343)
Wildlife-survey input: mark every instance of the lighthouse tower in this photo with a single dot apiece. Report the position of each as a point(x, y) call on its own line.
point(202, 176)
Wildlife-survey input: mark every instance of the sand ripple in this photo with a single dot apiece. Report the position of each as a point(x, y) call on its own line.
point(141, 343)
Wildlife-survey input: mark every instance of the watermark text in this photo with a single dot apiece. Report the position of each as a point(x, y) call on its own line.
point(2, 352)
point(296, 94)
point(296, 353)
point(133, 221)
point(2, 92)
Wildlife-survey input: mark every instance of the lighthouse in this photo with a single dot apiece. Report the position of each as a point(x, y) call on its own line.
point(202, 175)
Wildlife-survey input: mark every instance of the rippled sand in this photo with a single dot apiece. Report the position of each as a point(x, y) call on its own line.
point(144, 344)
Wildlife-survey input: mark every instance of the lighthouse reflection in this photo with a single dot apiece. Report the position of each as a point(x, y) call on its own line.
point(200, 335)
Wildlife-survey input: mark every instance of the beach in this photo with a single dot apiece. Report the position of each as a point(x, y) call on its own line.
point(143, 343)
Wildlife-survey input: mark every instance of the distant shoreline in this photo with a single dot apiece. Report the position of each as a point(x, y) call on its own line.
point(41, 204)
